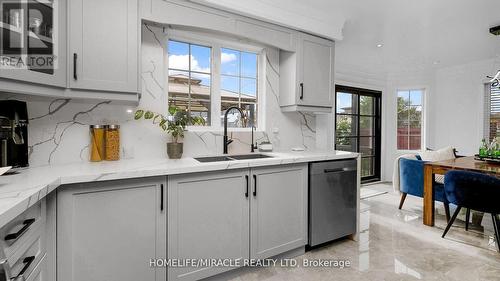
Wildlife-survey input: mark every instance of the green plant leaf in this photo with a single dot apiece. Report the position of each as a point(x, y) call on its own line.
point(162, 122)
point(149, 115)
point(138, 114)
point(173, 110)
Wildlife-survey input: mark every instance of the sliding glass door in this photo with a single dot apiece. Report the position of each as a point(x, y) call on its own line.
point(358, 127)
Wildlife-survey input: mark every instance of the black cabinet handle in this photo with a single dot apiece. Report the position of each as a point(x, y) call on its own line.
point(246, 193)
point(75, 57)
point(161, 197)
point(14, 236)
point(301, 91)
point(27, 262)
point(338, 170)
point(254, 185)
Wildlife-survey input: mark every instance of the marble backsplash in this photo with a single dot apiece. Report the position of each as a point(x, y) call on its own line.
point(59, 134)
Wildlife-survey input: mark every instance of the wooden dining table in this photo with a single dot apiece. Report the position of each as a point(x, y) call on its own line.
point(440, 168)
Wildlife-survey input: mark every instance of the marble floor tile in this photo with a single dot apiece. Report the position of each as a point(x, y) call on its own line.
point(395, 245)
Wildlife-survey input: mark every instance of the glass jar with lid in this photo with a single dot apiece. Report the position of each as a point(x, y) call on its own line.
point(112, 143)
point(97, 142)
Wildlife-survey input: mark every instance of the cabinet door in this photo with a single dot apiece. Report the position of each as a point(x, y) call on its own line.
point(104, 45)
point(33, 38)
point(207, 219)
point(316, 71)
point(278, 210)
point(110, 231)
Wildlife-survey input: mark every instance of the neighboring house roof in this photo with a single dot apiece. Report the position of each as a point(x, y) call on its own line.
point(178, 88)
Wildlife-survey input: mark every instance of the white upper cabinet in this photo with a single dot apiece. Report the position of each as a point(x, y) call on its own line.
point(33, 35)
point(104, 45)
point(306, 76)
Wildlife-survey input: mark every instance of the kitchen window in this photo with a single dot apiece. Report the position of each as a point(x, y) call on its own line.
point(189, 78)
point(207, 76)
point(410, 119)
point(239, 83)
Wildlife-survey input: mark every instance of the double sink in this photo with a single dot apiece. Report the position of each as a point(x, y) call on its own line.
point(231, 158)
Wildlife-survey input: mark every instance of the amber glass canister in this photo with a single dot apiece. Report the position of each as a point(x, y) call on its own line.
point(113, 143)
point(97, 142)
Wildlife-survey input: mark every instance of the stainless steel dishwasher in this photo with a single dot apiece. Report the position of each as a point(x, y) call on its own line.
point(332, 200)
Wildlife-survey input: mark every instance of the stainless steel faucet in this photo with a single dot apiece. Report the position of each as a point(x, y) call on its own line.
point(227, 141)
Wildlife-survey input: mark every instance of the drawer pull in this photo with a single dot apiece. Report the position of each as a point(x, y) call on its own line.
point(13, 236)
point(326, 171)
point(27, 262)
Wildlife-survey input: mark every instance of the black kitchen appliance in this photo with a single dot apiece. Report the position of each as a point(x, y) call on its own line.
point(13, 133)
point(332, 200)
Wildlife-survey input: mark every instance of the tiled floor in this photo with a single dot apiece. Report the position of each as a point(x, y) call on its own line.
point(395, 245)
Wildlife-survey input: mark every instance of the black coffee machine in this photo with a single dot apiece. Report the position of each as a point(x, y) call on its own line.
point(13, 133)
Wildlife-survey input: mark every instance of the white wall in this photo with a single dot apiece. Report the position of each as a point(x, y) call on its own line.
point(457, 109)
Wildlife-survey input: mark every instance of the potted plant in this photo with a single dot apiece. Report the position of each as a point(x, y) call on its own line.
point(174, 124)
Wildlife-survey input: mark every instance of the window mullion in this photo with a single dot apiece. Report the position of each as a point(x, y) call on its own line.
point(215, 96)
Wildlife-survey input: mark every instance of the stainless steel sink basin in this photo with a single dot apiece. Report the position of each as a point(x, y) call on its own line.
point(213, 159)
point(231, 157)
point(249, 156)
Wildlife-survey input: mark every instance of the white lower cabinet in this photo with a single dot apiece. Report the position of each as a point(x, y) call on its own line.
point(110, 230)
point(278, 210)
point(236, 215)
point(207, 218)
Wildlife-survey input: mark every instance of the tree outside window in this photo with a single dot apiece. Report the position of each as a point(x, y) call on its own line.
point(409, 128)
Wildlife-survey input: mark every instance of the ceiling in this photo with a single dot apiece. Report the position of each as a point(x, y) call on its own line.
point(416, 35)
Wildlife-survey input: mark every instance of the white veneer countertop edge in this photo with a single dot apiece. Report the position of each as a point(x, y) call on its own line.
point(20, 191)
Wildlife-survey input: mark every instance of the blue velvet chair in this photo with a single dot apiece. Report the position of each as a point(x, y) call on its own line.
point(411, 181)
point(475, 191)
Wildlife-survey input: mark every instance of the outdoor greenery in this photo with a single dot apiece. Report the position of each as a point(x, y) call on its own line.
point(344, 122)
point(408, 113)
point(174, 124)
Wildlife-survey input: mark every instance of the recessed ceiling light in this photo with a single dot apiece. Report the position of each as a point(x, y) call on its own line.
point(380, 45)
point(436, 62)
point(129, 110)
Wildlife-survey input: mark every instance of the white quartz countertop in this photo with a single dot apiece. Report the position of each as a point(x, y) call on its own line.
point(20, 191)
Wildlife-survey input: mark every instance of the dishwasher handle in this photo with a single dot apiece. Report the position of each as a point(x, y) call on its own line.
point(338, 170)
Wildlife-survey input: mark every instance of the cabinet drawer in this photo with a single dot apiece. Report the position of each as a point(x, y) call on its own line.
point(16, 233)
point(24, 261)
point(40, 271)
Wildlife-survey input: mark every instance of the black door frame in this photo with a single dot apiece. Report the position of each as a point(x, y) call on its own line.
point(377, 95)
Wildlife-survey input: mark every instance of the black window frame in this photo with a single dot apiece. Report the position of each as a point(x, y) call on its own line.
point(377, 126)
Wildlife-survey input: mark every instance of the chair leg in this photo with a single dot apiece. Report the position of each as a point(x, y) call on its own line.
point(496, 227)
point(467, 218)
point(447, 211)
point(403, 197)
point(450, 223)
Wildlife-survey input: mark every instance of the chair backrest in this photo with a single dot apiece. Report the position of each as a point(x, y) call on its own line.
point(473, 190)
point(411, 176)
